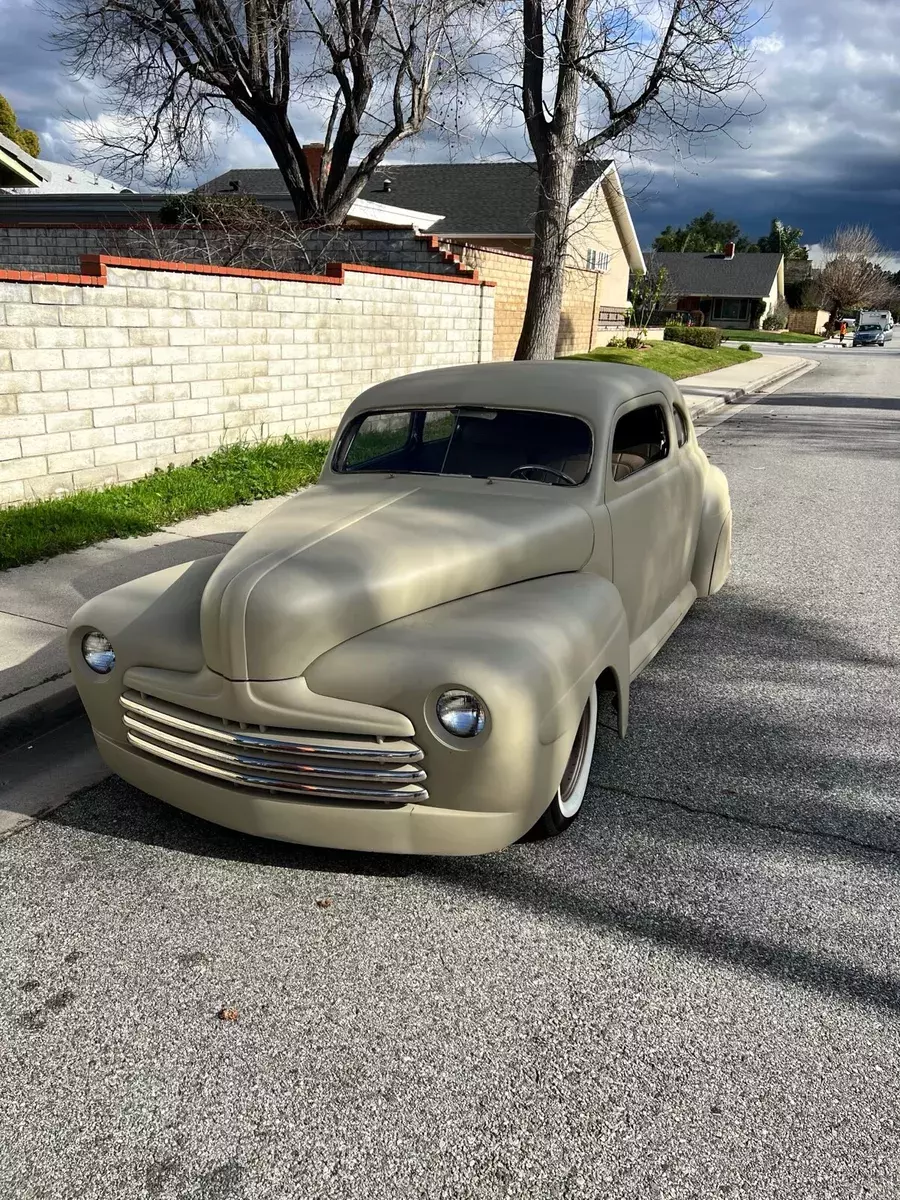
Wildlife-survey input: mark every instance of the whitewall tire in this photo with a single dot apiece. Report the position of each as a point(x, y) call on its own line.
point(567, 803)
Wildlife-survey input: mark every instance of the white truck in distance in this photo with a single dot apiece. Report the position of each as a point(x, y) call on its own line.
point(880, 317)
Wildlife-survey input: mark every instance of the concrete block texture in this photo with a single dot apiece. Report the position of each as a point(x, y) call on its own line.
point(162, 366)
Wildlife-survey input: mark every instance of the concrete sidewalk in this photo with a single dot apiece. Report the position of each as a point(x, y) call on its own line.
point(705, 393)
point(37, 601)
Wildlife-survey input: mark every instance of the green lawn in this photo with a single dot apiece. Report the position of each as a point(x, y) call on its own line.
point(764, 335)
point(674, 359)
point(233, 475)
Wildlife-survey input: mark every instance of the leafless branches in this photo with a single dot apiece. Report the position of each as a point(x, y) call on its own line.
point(176, 71)
point(853, 275)
point(625, 74)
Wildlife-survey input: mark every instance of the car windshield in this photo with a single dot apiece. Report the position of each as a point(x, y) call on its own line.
point(870, 329)
point(548, 448)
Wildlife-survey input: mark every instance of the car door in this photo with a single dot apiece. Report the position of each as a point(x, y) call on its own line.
point(691, 467)
point(652, 538)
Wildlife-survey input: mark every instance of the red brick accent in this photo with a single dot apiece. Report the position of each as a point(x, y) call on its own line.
point(93, 272)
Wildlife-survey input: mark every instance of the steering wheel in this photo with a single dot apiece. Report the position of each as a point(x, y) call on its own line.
point(518, 473)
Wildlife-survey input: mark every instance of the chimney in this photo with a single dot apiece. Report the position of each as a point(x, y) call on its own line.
point(234, 184)
point(386, 185)
point(729, 249)
point(313, 153)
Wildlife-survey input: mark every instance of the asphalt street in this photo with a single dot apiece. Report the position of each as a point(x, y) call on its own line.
point(694, 993)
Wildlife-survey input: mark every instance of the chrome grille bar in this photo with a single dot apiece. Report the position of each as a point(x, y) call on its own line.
point(320, 770)
point(313, 766)
point(283, 741)
point(402, 795)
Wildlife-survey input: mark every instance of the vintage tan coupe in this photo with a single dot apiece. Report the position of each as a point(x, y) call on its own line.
point(407, 656)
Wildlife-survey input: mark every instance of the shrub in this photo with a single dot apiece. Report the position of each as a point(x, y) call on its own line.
point(778, 317)
point(616, 343)
point(747, 349)
point(707, 336)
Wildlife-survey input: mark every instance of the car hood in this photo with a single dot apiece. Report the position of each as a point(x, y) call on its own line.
point(336, 561)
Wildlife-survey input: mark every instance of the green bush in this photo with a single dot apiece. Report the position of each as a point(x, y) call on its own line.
point(706, 336)
point(747, 349)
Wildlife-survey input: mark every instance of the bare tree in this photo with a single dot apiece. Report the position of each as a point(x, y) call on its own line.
point(596, 74)
point(230, 231)
point(176, 70)
point(853, 275)
point(649, 293)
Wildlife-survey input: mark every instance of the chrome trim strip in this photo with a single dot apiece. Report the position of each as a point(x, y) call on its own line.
point(283, 742)
point(396, 775)
point(411, 793)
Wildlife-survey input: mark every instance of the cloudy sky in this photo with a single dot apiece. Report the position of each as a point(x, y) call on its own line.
point(825, 150)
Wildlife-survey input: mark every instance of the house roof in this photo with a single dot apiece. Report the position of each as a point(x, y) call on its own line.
point(18, 168)
point(497, 198)
point(745, 275)
point(62, 178)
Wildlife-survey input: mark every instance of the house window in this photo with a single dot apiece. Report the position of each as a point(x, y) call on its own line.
point(597, 260)
point(730, 310)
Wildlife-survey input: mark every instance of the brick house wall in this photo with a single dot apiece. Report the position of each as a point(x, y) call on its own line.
point(586, 320)
point(133, 365)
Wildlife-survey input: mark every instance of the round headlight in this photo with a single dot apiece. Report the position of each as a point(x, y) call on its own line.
point(461, 713)
point(98, 652)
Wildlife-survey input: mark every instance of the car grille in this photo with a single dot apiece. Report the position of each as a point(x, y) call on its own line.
point(310, 766)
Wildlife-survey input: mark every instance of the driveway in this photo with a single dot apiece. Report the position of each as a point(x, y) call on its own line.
point(694, 993)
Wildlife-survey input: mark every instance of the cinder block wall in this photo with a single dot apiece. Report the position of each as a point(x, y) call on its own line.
point(104, 383)
point(58, 248)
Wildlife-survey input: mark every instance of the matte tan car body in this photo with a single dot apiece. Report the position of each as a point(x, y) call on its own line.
point(349, 610)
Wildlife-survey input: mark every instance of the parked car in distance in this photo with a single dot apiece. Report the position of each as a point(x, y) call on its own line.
point(870, 335)
point(408, 656)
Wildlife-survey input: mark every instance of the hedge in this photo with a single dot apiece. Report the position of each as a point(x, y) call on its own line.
point(706, 336)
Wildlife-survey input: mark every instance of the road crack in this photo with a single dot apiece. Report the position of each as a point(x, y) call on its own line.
point(750, 822)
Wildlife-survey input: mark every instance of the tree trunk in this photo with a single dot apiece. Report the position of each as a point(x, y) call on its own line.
point(278, 134)
point(540, 329)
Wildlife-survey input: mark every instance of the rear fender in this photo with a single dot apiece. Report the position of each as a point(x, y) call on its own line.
point(712, 558)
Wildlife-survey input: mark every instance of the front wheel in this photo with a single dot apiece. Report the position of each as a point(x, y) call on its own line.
point(566, 804)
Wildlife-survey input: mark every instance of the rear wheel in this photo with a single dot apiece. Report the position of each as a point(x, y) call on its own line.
point(567, 803)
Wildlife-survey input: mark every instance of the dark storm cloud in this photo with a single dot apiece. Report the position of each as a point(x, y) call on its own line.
point(825, 150)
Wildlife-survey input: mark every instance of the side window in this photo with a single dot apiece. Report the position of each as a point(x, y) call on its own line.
point(437, 425)
point(377, 436)
point(681, 425)
point(640, 438)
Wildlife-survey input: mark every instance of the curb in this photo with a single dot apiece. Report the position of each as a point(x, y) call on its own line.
point(735, 395)
point(39, 710)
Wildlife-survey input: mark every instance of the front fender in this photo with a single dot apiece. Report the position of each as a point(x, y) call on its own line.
point(531, 651)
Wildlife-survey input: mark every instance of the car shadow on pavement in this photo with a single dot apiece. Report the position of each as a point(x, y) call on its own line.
point(743, 825)
point(624, 870)
point(826, 400)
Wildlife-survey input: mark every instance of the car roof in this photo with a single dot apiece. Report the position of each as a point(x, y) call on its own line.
point(592, 390)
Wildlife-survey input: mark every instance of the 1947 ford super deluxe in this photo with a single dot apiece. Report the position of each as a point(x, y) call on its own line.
point(407, 656)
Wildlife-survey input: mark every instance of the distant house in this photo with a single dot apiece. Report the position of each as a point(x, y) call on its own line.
point(18, 169)
point(61, 179)
point(735, 291)
point(491, 205)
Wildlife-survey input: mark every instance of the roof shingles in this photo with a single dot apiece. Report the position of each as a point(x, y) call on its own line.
point(497, 198)
point(745, 275)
